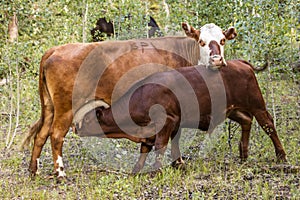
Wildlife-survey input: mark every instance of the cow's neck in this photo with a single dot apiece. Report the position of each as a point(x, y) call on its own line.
point(112, 130)
point(108, 123)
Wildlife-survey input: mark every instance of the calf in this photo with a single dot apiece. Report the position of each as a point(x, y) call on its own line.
point(156, 108)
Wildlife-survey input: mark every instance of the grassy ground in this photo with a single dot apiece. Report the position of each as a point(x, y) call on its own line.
point(100, 168)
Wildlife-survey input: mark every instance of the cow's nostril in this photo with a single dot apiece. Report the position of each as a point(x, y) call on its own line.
point(216, 58)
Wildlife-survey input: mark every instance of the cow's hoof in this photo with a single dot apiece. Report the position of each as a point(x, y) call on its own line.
point(58, 179)
point(61, 180)
point(155, 172)
point(281, 156)
point(243, 158)
point(137, 168)
point(157, 165)
point(179, 165)
point(32, 177)
point(32, 170)
point(50, 177)
point(282, 159)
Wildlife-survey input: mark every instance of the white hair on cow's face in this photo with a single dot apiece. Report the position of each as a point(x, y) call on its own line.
point(208, 26)
point(211, 39)
point(188, 27)
point(209, 32)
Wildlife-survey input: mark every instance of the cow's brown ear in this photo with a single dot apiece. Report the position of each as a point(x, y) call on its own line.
point(230, 33)
point(190, 31)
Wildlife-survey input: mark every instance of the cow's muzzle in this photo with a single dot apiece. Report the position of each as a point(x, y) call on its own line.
point(78, 129)
point(216, 62)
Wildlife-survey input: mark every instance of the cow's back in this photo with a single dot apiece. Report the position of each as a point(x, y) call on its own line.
point(77, 73)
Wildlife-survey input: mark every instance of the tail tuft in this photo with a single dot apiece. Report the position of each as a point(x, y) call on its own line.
point(34, 129)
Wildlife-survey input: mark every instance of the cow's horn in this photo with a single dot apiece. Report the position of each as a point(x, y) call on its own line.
point(79, 114)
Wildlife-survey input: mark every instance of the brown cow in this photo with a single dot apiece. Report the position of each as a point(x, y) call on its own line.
point(191, 97)
point(72, 76)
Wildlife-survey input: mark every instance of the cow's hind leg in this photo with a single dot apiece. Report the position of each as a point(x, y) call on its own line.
point(245, 120)
point(59, 129)
point(40, 139)
point(265, 120)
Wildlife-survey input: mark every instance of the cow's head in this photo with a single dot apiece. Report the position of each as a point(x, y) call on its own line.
point(86, 118)
point(90, 125)
point(211, 39)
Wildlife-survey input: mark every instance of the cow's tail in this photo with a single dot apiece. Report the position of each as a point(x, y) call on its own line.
point(257, 69)
point(36, 127)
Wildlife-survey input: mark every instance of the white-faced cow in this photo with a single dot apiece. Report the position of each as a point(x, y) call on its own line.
point(212, 40)
point(76, 78)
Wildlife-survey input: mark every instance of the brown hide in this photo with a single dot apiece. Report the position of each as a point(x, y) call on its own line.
point(74, 74)
point(191, 97)
point(131, 61)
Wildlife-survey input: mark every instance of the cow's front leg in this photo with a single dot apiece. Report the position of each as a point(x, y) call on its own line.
point(56, 143)
point(145, 149)
point(57, 134)
point(161, 143)
point(245, 120)
point(244, 142)
point(175, 151)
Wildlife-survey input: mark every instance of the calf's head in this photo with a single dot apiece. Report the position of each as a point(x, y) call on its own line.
point(211, 39)
point(89, 125)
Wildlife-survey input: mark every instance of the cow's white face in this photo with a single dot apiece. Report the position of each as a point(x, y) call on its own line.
point(211, 41)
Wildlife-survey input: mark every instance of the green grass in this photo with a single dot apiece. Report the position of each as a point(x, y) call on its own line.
point(212, 171)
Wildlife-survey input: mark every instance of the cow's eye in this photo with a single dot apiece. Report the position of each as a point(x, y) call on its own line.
point(86, 120)
point(202, 43)
point(97, 114)
point(222, 42)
